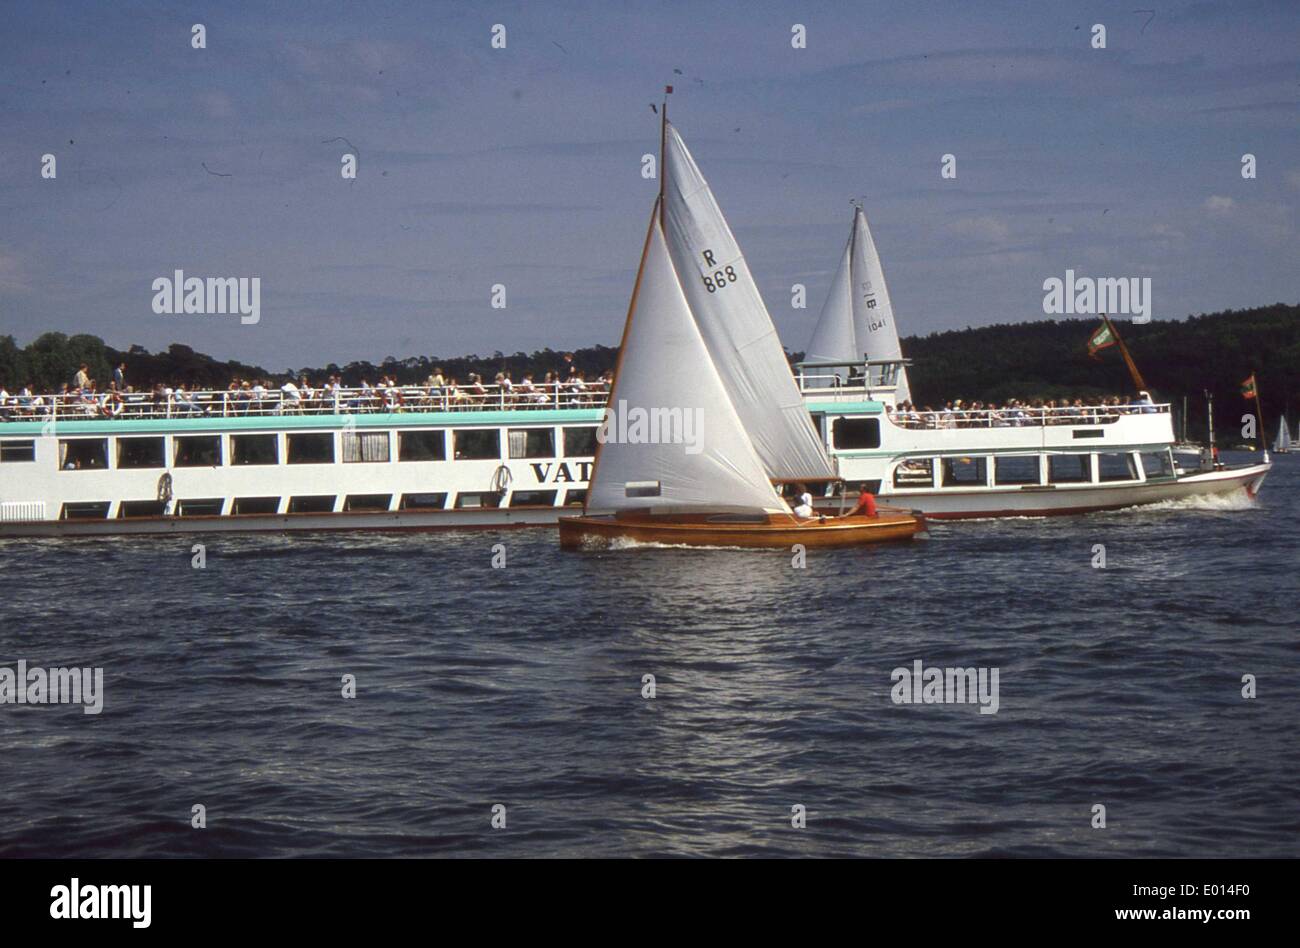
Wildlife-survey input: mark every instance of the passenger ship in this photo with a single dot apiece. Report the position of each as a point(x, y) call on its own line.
point(1019, 463)
point(990, 463)
point(500, 459)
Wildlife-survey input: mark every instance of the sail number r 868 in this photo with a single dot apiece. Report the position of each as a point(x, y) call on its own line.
point(720, 279)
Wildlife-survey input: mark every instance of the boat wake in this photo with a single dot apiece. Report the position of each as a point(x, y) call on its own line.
point(1237, 500)
point(628, 543)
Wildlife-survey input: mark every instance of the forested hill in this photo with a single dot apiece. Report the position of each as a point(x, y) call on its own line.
point(1176, 357)
point(1043, 358)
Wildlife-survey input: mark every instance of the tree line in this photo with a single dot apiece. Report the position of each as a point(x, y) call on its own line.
point(1039, 359)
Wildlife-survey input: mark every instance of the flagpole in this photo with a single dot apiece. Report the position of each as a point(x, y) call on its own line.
point(1259, 411)
point(1128, 359)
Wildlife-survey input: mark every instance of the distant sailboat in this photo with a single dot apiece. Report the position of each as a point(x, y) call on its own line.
point(857, 320)
point(1282, 445)
point(700, 354)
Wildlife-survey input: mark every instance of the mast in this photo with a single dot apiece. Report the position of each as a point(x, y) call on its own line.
point(663, 153)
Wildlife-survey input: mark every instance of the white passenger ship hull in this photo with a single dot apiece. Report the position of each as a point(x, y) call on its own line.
point(503, 466)
point(1036, 501)
point(1026, 464)
point(493, 468)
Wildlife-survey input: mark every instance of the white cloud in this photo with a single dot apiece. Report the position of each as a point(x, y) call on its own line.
point(986, 228)
point(1219, 205)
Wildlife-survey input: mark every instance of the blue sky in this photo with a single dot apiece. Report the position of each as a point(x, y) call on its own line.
point(521, 166)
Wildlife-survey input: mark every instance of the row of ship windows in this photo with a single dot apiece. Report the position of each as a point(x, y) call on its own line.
point(317, 503)
point(467, 444)
point(1028, 469)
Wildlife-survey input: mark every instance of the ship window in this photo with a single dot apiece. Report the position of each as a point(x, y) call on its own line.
point(312, 504)
point(17, 451)
point(579, 442)
point(422, 445)
point(486, 499)
point(964, 472)
point(365, 446)
point(642, 489)
point(1088, 433)
point(531, 442)
point(141, 452)
point(1116, 467)
point(255, 505)
point(253, 449)
point(198, 451)
point(423, 501)
point(141, 508)
point(368, 502)
point(83, 454)
point(86, 510)
point(203, 507)
point(533, 498)
point(477, 444)
point(853, 488)
point(855, 433)
point(575, 497)
point(1068, 469)
point(1157, 464)
point(315, 448)
point(1015, 469)
point(918, 472)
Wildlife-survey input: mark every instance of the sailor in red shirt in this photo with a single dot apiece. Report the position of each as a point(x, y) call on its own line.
point(866, 505)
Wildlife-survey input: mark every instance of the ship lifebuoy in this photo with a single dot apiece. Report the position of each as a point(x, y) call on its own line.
point(165, 487)
point(112, 406)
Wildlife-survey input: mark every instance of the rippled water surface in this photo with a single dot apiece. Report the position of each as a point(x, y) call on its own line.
point(522, 686)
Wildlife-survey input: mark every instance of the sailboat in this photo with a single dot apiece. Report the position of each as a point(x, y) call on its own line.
point(705, 414)
point(1282, 445)
point(857, 320)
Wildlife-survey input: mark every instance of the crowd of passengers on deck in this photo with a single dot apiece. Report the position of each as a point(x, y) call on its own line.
point(1015, 413)
point(84, 397)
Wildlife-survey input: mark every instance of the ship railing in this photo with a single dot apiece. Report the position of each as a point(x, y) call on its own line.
point(845, 378)
point(1018, 417)
point(241, 403)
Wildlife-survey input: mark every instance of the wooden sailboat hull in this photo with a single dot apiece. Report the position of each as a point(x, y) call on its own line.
point(712, 530)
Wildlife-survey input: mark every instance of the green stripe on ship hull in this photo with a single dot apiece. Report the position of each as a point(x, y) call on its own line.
point(281, 422)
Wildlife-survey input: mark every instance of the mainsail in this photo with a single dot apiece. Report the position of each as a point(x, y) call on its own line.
point(666, 373)
point(1283, 443)
point(735, 323)
point(858, 318)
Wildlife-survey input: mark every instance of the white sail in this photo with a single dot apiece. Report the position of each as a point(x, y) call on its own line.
point(666, 372)
point(1283, 442)
point(834, 339)
point(735, 323)
point(873, 313)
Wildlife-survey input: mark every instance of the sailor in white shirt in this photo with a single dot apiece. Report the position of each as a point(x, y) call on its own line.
point(804, 507)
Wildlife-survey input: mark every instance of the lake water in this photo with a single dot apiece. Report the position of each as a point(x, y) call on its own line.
point(522, 686)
